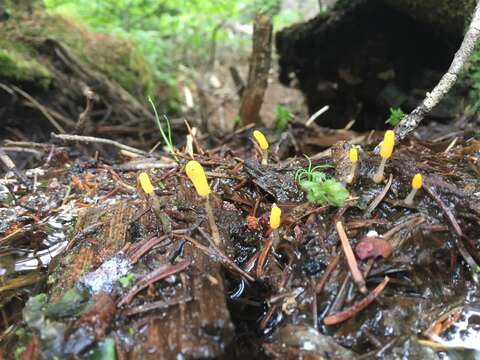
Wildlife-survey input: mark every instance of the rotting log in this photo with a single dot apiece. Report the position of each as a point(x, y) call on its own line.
point(259, 67)
point(197, 324)
point(46, 62)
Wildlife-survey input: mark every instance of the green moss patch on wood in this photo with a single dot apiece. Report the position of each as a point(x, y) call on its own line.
point(15, 65)
point(22, 37)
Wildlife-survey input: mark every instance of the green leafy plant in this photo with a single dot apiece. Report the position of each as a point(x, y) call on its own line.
point(319, 188)
point(282, 118)
point(126, 281)
point(396, 115)
point(167, 136)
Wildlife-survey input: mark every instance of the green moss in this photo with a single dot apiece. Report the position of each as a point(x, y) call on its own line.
point(23, 35)
point(14, 65)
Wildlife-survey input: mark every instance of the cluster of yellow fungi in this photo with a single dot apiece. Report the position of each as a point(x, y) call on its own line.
point(197, 176)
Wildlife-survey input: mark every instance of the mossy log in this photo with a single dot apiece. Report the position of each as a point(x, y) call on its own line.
point(53, 58)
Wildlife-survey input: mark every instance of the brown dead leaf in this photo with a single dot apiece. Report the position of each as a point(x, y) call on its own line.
point(372, 247)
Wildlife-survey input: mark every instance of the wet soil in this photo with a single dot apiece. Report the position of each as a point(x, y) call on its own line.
point(87, 267)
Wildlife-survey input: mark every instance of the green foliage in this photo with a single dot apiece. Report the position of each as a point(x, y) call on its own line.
point(15, 65)
point(126, 281)
point(170, 32)
point(19, 351)
point(396, 115)
point(282, 118)
point(167, 136)
point(105, 350)
point(319, 188)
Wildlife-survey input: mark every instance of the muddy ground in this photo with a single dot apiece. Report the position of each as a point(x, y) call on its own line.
point(88, 266)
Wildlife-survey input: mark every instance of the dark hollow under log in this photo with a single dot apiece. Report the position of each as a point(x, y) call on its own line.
point(365, 57)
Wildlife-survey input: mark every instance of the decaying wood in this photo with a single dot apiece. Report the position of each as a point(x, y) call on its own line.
point(196, 325)
point(258, 71)
point(110, 239)
point(197, 329)
point(99, 83)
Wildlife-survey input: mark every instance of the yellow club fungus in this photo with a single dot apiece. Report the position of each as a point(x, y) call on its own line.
point(275, 221)
point(417, 183)
point(145, 183)
point(263, 144)
point(197, 176)
point(386, 150)
point(147, 188)
point(275, 215)
point(353, 156)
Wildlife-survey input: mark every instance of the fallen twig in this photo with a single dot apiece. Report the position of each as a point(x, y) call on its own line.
point(352, 262)
point(262, 258)
point(91, 139)
point(326, 275)
point(84, 117)
point(156, 275)
point(456, 227)
point(40, 107)
point(357, 307)
point(380, 197)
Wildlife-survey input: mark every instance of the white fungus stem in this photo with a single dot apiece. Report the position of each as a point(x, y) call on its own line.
point(378, 177)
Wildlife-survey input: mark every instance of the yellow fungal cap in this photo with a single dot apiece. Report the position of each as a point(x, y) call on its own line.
point(353, 155)
point(275, 215)
point(386, 148)
point(261, 140)
point(417, 182)
point(197, 176)
point(145, 183)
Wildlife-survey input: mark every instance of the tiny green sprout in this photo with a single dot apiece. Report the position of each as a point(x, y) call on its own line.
point(319, 188)
point(126, 281)
point(396, 115)
point(19, 350)
point(167, 136)
point(51, 280)
point(282, 117)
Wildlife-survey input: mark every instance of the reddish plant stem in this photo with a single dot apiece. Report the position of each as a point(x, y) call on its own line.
point(154, 276)
point(357, 307)
point(262, 258)
point(326, 275)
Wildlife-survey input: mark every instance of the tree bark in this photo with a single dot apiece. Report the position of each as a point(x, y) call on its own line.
point(258, 72)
